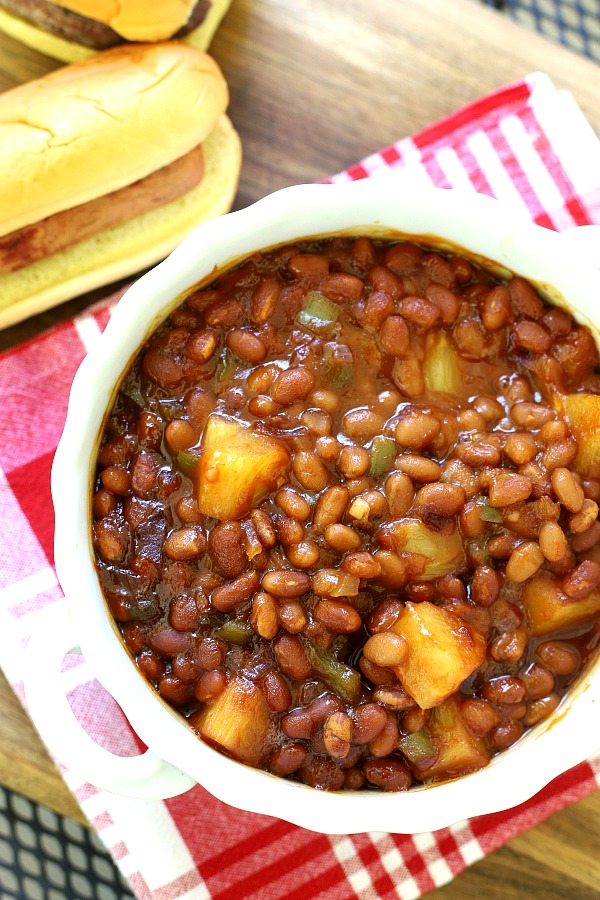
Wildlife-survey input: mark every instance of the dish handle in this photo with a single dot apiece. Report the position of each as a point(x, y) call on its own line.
point(145, 776)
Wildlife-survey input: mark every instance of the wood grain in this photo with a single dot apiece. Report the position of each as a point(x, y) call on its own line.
point(312, 92)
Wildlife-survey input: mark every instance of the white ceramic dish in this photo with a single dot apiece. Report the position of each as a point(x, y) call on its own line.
point(562, 264)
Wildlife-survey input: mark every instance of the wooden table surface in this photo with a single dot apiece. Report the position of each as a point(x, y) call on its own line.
point(315, 87)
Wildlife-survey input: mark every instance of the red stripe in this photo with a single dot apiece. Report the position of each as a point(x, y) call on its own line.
point(325, 879)
point(555, 168)
point(260, 839)
point(281, 867)
point(370, 856)
point(446, 127)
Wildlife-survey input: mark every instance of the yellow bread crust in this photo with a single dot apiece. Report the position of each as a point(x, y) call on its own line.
point(69, 51)
point(87, 129)
point(129, 248)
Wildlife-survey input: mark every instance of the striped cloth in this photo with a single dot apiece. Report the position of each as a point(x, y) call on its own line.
point(528, 144)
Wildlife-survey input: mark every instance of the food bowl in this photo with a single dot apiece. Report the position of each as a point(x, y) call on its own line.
point(563, 268)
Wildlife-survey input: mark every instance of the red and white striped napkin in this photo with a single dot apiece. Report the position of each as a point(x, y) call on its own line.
point(527, 143)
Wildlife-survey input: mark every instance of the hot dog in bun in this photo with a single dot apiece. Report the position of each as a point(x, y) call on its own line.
point(72, 29)
point(107, 165)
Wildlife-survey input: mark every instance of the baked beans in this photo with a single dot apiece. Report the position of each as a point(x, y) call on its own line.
point(346, 512)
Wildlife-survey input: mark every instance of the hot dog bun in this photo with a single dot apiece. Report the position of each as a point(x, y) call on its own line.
point(58, 27)
point(95, 127)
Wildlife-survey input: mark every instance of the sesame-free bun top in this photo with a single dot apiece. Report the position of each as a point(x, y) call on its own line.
point(136, 20)
point(100, 124)
point(71, 51)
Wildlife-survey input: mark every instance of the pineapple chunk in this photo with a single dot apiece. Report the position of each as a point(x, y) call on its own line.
point(442, 651)
point(434, 553)
point(549, 610)
point(238, 721)
point(238, 467)
point(460, 752)
point(441, 367)
point(583, 415)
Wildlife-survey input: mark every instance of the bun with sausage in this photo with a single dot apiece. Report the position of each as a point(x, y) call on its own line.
point(107, 165)
point(73, 29)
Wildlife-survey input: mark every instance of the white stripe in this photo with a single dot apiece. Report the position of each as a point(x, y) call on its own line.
point(453, 169)
point(468, 845)
point(440, 871)
point(502, 187)
point(408, 889)
point(354, 870)
point(570, 134)
point(537, 174)
point(38, 583)
point(151, 836)
point(88, 330)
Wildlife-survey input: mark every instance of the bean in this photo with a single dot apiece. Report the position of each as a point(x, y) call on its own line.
point(292, 616)
point(387, 739)
point(554, 431)
point(199, 404)
point(361, 564)
point(264, 617)
point(420, 311)
point(201, 345)
point(298, 724)
point(286, 583)
point(385, 614)
point(476, 454)
point(223, 313)
point(582, 580)
point(292, 385)
point(262, 406)
point(362, 423)
point(553, 542)
point(337, 616)
point(446, 301)
point(163, 370)
point(509, 647)
point(111, 539)
point(169, 642)
point(394, 698)
point(488, 407)
point(342, 287)
point(394, 336)
point(366, 506)
point(418, 468)
point(330, 507)
point(175, 691)
point(264, 301)
point(504, 689)
point(388, 774)
point(558, 656)
point(310, 471)
point(378, 306)
point(277, 692)
point(505, 734)
point(103, 504)
point(479, 715)
point(304, 555)
point(407, 375)
point(353, 461)
point(562, 453)
point(495, 308)
point(116, 479)
point(227, 596)
point(289, 531)
point(209, 653)
point(399, 493)
point(538, 681)
point(524, 562)
point(520, 448)
point(327, 448)
point(416, 430)
point(337, 732)
point(353, 779)
point(415, 719)
point(440, 499)
point(567, 489)
point(507, 488)
point(342, 538)
point(318, 421)
point(524, 300)
point(486, 584)
point(376, 674)
point(583, 520)
point(263, 526)
point(185, 543)
point(151, 664)
point(210, 685)
point(322, 773)
point(532, 336)
point(287, 758)
point(226, 549)
point(540, 709)
point(386, 649)
point(291, 657)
